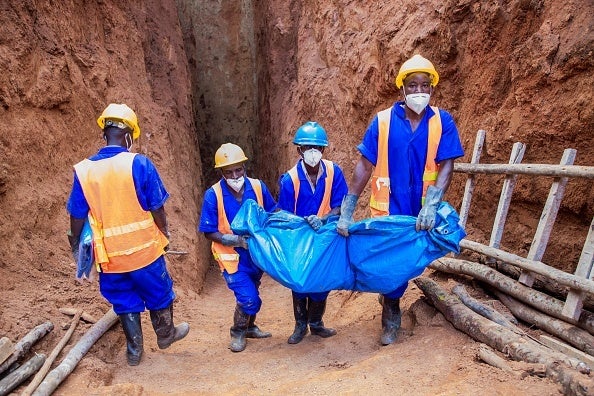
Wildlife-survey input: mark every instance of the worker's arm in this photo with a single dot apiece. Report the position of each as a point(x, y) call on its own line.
point(227, 239)
point(361, 176)
point(444, 177)
point(76, 226)
point(160, 218)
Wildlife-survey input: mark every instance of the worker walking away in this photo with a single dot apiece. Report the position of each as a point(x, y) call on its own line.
point(408, 151)
point(123, 197)
point(314, 189)
point(221, 204)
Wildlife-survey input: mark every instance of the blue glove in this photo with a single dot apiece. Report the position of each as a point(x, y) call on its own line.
point(234, 240)
point(346, 214)
point(426, 218)
point(314, 221)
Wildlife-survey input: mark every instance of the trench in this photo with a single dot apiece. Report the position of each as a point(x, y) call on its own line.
point(225, 44)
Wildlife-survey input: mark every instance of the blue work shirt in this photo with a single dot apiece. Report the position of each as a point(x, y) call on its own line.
point(308, 201)
point(209, 218)
point(150, 190)
point(407, 153)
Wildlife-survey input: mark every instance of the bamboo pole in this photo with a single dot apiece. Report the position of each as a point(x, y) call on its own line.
point(528, 169)
point(58, 374)
point(23, 346)
point(48, 363)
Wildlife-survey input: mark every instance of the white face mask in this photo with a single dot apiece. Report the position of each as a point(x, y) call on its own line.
point(236, 184)
point(417, 101)
point(312, 157)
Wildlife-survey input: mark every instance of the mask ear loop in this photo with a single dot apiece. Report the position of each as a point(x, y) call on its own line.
point(128, 140)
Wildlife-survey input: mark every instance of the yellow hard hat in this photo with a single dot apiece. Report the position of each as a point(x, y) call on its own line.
point(414, 65)
point(122, 113)
point(229, 154)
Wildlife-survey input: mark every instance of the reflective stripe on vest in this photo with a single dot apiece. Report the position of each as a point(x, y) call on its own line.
point(125, 236)
point(379, 202)
point(325, 204)
point(227, 256)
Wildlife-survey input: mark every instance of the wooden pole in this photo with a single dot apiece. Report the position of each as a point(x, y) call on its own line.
point(14, 379)
point(72, 311)
point(505, 198)
point(570, 280)
point(482, 309)
point(48, 363)
point(577, 337)
point(528, 169)
point(58, 374)
point(470, 181)
point(23, 346)
point(547, 219)
point(508, 342)
point(534, 298)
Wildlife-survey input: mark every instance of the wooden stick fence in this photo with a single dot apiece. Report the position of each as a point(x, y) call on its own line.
point(582, 281)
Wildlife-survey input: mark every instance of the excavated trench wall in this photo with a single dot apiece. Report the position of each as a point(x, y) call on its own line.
point(521, 70)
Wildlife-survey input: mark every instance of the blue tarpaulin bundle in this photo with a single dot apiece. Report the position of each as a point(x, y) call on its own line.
point(86, 255)
point(379, 255)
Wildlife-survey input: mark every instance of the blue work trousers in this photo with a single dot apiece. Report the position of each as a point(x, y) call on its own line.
point(149, 287)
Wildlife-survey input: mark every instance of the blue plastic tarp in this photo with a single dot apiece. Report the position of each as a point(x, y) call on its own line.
point(379, 255)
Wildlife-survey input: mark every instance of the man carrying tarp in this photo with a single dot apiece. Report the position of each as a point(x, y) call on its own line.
point(221, 203)
point(408, 151)
point(313, 189)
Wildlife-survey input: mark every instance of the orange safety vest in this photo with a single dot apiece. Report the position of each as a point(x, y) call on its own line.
point(379, 202)
point(227, 256)
point(125, 236)
point(325, 204)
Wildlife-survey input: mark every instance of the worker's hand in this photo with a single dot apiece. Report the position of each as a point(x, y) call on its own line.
point(168, 236)
point(426, 218)
point(347, 208)
point(314, 221)
point(75, 254)
point(234, 240)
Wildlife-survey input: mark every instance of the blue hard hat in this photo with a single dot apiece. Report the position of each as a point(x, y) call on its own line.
point(311, 134)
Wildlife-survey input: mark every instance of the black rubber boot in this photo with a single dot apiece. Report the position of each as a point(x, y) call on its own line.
point(254, 331)
point(133, 331)
point(316, 324)
point(391, 318)
point(238, 330)
point(300, 312)
point(167, 333)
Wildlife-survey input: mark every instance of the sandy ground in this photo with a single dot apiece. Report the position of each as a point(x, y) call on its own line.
point(429, 358)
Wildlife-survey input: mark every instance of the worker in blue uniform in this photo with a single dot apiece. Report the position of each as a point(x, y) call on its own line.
point(220, 206)
point(314, 189)
point(408, 151)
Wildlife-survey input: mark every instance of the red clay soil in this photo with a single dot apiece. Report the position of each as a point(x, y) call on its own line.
point(522, 71)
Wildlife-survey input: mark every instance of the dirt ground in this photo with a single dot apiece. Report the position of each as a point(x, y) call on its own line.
point(429, 358)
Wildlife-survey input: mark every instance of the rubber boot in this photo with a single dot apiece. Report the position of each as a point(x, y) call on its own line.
point(300, 312)
point(391, 318)
point(316, 324)
point(238, 330)
point(167, 333)
point(254, 331)
point(133, 331)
